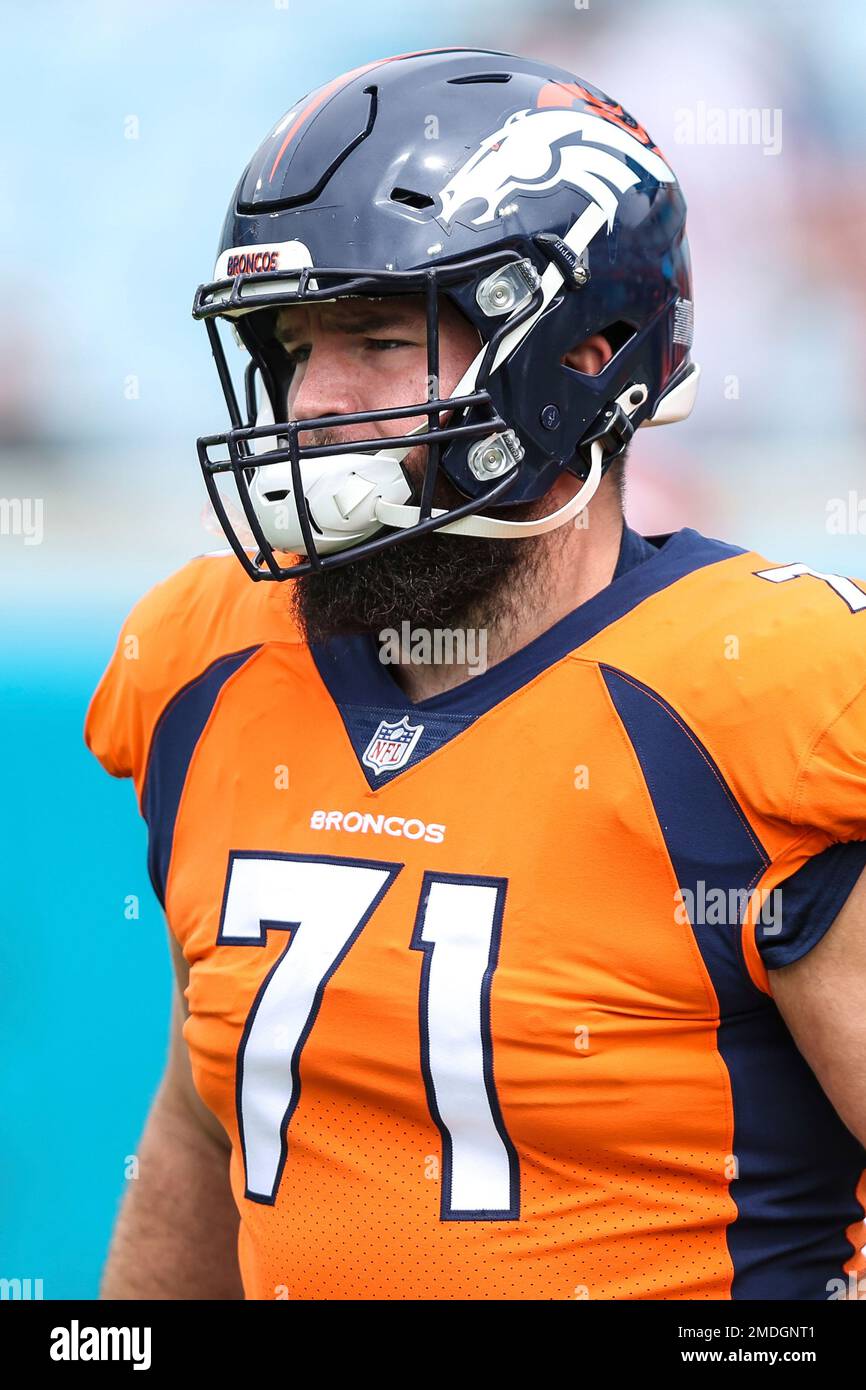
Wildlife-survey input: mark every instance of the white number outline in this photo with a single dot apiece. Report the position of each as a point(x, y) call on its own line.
point(849, 592)
point(255, 933)
point(475, 1167)
point(486, 1151)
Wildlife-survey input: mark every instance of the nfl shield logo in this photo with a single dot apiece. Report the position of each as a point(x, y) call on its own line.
point(391, 745)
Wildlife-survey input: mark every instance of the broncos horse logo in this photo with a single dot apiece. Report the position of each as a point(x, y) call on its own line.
point(536, 150)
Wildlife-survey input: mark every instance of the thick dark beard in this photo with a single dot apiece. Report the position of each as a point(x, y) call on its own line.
point(429, 581)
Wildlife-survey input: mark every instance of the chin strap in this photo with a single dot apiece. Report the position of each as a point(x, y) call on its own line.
point(402, 516)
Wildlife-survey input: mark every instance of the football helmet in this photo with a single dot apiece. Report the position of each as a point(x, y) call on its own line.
point(545, 214)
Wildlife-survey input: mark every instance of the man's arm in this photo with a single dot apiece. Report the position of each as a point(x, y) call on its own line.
point(176, 1235)
point(822, 998)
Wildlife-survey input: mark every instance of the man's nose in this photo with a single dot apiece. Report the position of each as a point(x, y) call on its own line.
point(324, 386)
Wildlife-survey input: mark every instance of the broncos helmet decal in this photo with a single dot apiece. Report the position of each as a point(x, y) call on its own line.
point(538, 150)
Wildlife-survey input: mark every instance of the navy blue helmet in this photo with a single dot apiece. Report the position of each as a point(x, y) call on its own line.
point(532, 201)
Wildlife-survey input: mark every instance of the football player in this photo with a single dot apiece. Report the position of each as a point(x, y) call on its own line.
point(512, 860)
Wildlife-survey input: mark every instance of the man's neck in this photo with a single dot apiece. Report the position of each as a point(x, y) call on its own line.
point(576, 566)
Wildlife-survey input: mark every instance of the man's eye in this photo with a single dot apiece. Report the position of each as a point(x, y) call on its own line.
point(301, 354)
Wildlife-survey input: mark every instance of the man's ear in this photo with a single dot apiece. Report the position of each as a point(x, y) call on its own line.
point(590, 355)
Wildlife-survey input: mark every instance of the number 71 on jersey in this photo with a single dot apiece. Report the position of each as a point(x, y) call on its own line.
point(323, 904)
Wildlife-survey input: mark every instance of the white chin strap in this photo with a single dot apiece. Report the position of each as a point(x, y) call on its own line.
point(350, 496)
point(395, 514)
point(342, 496)
point(476, 525)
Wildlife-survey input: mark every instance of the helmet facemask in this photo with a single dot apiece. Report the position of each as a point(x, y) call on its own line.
point(345, 486)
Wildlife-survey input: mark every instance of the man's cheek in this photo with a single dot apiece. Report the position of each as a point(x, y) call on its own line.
point(414, 465)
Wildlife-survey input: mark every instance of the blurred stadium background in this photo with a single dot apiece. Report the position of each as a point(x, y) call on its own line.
point(126, 127)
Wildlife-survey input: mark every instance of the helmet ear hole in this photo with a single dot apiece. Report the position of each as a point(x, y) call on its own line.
point(618, 334)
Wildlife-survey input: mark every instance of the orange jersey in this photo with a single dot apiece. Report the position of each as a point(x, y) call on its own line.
point(478, 985)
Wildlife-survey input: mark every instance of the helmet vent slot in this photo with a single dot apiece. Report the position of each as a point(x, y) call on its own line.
point(480, 77)
point(411, 198)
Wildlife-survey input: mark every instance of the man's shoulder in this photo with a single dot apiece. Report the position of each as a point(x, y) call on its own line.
point(211, 598)
point(800, 619)
point(206, 616)
point(764, 662)
point(732, 601)
point(204, 612)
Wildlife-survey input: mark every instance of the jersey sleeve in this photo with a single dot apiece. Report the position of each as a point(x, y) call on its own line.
point(802, 909)
point(830, 791)
point(116, 728)
point(830, 797)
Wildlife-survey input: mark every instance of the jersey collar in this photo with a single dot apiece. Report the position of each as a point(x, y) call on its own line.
point(367, 695)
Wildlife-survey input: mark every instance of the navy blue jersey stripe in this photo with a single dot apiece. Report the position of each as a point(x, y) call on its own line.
point(796, 1165)
point(175, 736)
